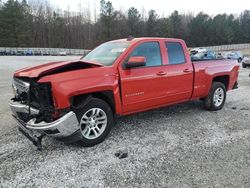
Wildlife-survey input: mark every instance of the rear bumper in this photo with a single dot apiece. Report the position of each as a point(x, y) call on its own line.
point(60, 128)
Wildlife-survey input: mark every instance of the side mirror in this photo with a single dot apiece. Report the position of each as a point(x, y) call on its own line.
point(138, 61)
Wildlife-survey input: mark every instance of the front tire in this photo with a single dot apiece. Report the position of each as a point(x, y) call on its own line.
point(244, 65)
point(216, 97)
point(96, 120)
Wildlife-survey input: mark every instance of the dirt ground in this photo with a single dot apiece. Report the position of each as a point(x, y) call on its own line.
point(179, 146)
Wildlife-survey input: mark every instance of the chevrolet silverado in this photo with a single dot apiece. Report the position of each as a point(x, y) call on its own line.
point(76, 101)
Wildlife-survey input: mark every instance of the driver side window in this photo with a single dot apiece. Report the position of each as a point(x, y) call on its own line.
point(149, 50)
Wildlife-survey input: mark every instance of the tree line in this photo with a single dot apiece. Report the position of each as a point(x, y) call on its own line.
point(37, 24)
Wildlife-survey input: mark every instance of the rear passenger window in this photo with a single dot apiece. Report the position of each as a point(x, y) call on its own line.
point(175, 53)
point(149, 50)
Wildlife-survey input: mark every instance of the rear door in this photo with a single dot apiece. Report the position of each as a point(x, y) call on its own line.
point(144, 87)
point(179, 70)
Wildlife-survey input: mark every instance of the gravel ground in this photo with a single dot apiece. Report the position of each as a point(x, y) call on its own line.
point(179, 146)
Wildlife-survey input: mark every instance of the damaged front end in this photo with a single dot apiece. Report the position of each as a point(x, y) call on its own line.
point(34, 109)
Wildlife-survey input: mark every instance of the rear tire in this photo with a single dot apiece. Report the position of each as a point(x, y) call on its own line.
point(216, 97)
point(243, 65)
point(96, 120)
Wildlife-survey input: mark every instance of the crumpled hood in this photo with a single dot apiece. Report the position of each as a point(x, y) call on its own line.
point(55, 67)
point(72, 83)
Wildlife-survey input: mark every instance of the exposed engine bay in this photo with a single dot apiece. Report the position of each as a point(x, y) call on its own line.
point(39, 96)
point(35, 95)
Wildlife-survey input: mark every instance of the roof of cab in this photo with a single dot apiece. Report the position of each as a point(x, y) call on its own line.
point(133, 40)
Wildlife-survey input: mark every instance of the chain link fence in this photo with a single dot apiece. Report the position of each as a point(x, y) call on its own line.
point(64, 51)
point(42, 51)
point(230, 47)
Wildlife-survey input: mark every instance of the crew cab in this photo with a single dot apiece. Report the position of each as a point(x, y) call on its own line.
point(76, 101)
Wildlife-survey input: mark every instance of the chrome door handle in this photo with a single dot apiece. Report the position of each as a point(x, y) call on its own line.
point(161, 73)
point(187, 70)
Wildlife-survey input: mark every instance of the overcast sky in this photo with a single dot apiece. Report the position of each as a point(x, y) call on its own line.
point(163, 7)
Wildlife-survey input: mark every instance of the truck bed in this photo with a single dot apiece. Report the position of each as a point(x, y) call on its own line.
point(203, 69)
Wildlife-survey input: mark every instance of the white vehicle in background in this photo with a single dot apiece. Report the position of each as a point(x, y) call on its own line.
point(208, 55)
point(63, 53)
point(198, 50)
point(237, 55)
point(246, 62)
point(224, 55)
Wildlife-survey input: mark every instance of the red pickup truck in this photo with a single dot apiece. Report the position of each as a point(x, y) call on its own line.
point(75, 101)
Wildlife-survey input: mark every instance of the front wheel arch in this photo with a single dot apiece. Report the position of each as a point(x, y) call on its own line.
point(82, 99)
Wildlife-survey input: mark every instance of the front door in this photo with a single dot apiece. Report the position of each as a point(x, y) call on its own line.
point(144, 87)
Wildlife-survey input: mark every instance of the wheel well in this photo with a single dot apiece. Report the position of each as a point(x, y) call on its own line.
point(222, 79)
point(107, 96)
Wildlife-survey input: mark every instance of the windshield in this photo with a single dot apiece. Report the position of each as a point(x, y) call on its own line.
point(107, 53)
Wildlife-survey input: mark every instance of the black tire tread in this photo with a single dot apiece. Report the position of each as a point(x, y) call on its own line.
point(209, 99)
point(95, 102)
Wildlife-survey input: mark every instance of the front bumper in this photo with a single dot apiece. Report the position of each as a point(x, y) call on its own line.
point(60, 128)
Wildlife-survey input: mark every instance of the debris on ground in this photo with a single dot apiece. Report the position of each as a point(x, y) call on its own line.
point(121, 154)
